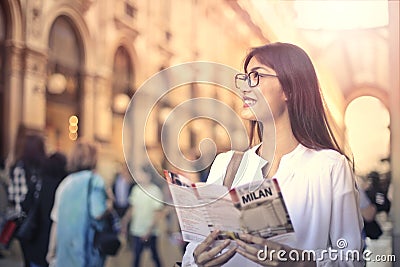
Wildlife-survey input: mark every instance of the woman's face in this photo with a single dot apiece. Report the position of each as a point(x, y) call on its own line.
point(267, 92)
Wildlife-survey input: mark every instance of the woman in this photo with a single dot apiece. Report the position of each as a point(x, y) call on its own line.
point(71, 238)
point(25, 175)
point(54, 170)
point(315, 176)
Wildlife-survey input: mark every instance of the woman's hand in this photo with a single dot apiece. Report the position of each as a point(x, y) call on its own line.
point(206, 254)
point(269, 253)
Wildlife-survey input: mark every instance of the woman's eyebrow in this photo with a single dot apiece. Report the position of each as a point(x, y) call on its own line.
point(259, 68)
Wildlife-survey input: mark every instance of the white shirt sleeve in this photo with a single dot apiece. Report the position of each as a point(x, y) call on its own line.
point(60, 188)
point(346, 221)
point(188, 259)
point(54, 210)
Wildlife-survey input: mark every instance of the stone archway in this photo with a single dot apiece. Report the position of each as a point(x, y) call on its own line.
point(367, 122)
point(63, 105)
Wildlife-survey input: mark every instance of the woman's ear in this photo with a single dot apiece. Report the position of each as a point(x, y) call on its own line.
point(285, 97)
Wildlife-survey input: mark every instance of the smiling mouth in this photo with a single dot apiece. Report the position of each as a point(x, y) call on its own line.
point(248, 102)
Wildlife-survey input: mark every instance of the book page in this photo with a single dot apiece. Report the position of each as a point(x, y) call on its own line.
point(262, 208)
point(220, 211)
point(257, 208)
point(191, 214)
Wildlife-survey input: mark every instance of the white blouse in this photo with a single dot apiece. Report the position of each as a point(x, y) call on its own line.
point(319, 190)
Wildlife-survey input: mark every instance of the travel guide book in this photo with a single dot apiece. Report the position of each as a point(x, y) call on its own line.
point(257, 208)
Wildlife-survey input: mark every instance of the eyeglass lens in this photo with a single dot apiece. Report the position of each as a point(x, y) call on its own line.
point(253, 78)
point(243, 80)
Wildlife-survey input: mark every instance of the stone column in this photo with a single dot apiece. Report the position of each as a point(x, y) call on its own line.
point(35, 68)
point(34, 90)
point(12, 96)
point(87, 107)
point(102, 115)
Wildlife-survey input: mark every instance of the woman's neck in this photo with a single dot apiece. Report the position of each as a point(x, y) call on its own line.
point(285, 142)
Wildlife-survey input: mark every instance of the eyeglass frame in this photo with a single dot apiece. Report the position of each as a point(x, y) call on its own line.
point(246, 76)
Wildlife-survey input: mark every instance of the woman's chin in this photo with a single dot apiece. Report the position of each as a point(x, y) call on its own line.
point(247, 114)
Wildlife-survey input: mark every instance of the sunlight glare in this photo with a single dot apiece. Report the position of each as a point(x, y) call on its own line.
point(341, 15)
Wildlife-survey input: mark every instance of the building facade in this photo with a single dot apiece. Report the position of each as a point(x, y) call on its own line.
point(68, 68)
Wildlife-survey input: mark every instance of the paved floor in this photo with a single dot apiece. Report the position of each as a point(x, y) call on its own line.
point(170, 252)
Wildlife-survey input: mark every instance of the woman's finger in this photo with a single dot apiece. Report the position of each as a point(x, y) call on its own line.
point(223, 258)
point(254, 248)
point(203, 246)
point(247, 247)
point(251, 239)
point(209, 255)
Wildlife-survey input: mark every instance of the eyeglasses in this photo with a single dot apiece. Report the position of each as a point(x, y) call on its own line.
point(252, 78)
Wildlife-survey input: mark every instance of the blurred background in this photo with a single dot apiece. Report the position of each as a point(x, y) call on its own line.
point(68, 69)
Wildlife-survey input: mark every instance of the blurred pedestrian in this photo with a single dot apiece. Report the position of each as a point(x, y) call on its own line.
point(144, 212)
point(121, 188)
point(72, 236)
point(377, 193)
point(3, 198)
point(25, 176)
point(3, 193)
point(54, 170)
point(368, 211)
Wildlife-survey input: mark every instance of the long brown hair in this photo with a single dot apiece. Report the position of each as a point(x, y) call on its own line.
point(299, 82)
point(32, 151)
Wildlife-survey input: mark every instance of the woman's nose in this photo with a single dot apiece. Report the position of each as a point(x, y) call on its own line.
point(245, 88)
